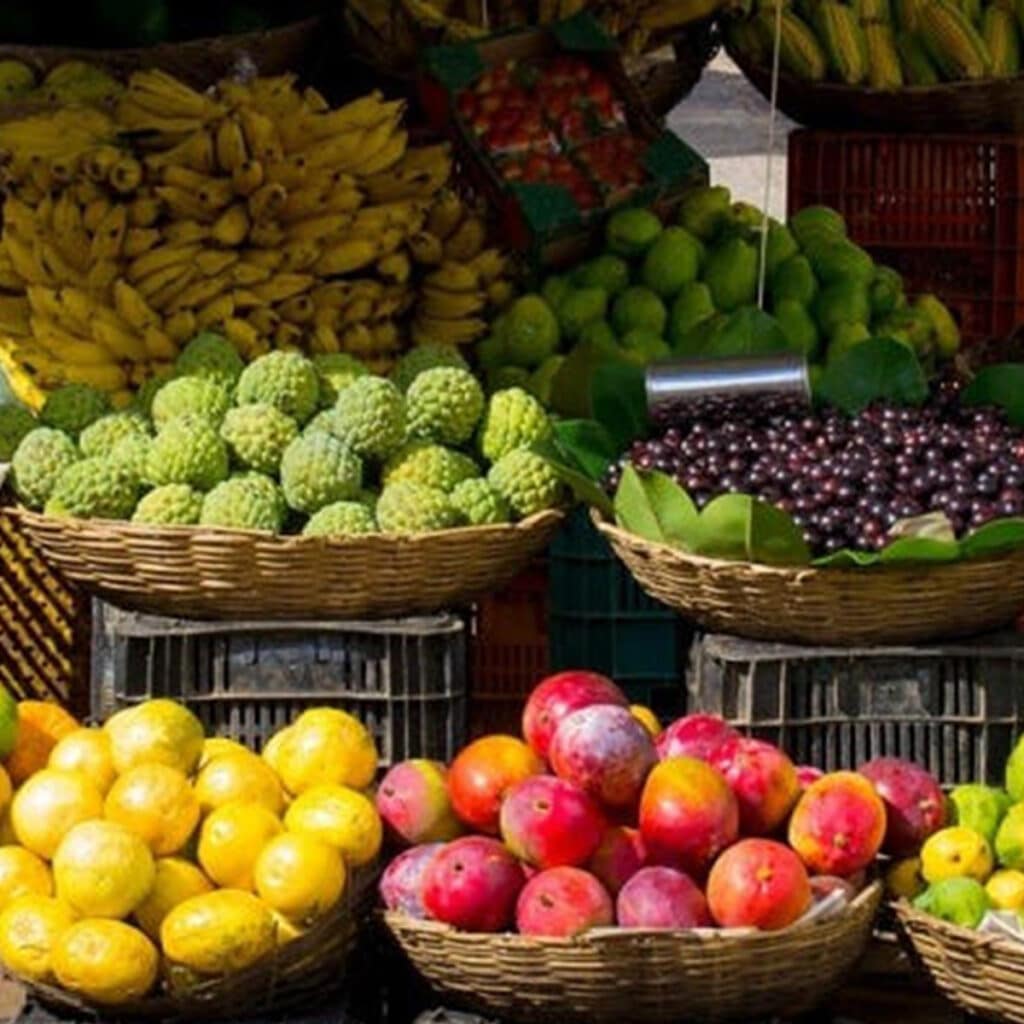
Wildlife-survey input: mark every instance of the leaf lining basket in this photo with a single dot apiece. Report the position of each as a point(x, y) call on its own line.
point(616, 975)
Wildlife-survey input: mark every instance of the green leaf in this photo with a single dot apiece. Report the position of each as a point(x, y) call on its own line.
point(589, 444)
point(999, 535)
point(655, 507)
point(919, 549)
point(747, 332)
point(847, 559)
point(1001, 385)
point(872, 370)
point(620, 402)
point(774, 538)
point(740, 527)
point(584, 487)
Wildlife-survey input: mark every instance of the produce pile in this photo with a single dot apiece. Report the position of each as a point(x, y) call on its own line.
point(886, 45)
point(288, 444)
point(254, 209)
point(71, 81)
point(600, 818)
point(142, 854)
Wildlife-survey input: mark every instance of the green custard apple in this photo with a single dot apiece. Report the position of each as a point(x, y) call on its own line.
point(342, 519)
point(16, 422)
point(170, 505)
point(187, 451)
point(132, 453)
point(257, 436)
point(370, 418)
point(72, 408)
point(444, 405)
point(103, 436)
point(239, 505)
point(692, 306)
point(526, 481)
point(479, 504)
point(190, 396)
point(95, 488)
point(432, 464)
point(335, 372)
point(410, 507)
point(513, 419)
point(40, 459)
point(428, 356)
point(731, 274)
point(318, 470)
point(283, 379)
point(210, 355)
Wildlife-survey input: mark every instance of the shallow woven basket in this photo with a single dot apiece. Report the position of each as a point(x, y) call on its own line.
point(296, 975)
point(890, 604)
point(225, 574)
point(993, 106)
point(619, 975)
point(980, 973)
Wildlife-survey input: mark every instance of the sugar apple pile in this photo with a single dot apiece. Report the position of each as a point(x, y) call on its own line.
point(321, 447)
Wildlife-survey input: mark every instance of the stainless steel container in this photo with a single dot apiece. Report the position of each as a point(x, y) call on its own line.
point(681, 389)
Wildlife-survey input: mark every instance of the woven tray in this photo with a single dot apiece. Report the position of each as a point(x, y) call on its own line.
point(228, 574)
point(641, 977)
point(297, 975)
point(980, 973)
point(890, 604)
point(973, 108)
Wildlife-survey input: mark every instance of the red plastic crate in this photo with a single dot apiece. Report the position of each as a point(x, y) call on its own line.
point(508, 652)
point(946, 211)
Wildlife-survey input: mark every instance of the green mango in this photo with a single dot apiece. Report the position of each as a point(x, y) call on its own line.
point(799, 328)
point(672, 262)
point(692, 306)
point(731, 274)
point(704, 210)
point(842, 303)
point(793, 279)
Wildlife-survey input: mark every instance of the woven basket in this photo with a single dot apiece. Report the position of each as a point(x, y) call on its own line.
point(297, 975)
point(201, 573)
point(980, 973)
point(891, 604)
point(642, 977)
point(973, 108)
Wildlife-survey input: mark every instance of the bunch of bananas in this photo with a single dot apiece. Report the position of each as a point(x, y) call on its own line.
point(255, 210)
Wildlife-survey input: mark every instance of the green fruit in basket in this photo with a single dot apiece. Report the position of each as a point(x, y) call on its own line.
point(240, 505)
point(479, 504)
point(95, 488)
point(342, 519)
point(886, 292)
point(645, 344)
point(318, 470)
point(541, 380)
point(1015, 772)
point(76, 81)
point(580, 307)
point(731, 274)
point(842, 262)
point(370, 418)
point(44, 453)
point(979, 807)
point(8, 723)
point(692, 306)
point(946, 332)
point(16, 79)
point(144, 396)
point(513, 419)
point(842, 303)
point(961, 901)
point(814, 226)
point(793, 279)
point(745, 221)
point(425, 357)
point(16, 422)
point(638, 307)
point(170, 505)
point(632, 232)
point(430, 464)
point(284, 379)
point(526, 481)
point(1009, 844)
point(257, 436)
point(490, 351)
point(599, 334)
point(781, 246)
point(191, 396)
point(410, 507)
point(504, 377)
point(444, 405)
point(704, 211)
point(187, 451)
point(912, 326)
point(210, 355)
point(103, 436)
point(132, 453)
point(554, 289)
point(268, 487)
point(607, 271)
point(845, 337)
point(72, 408)
point(530, 331)
point(797, 325)
point(745, 332)
point(337, 370)
point(672, 262)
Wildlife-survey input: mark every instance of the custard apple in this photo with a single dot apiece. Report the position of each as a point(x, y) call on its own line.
point(409, 507)
point(367, 497)
point(430, 464)
point(15, 423)
point(284, 379)
point(190, 396)
point(187, 451)
point(526, 481)
point(479, 504)
point(514, 419)
point(444, 405)
point(318, 470)
point(95, 488)
point(428, 356)
point(170, 505)
point(145, 395)
point(210, 355)
point(44, 453)
point(73, 407)
point(343, 518)
point(132, 452)
point(238, 504)
point(103, 436)
point(321, 423)
point(257, 436)
point(267, 487)
point(335, 372)
point(370, 417)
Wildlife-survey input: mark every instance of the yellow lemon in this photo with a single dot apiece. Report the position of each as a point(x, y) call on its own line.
point(49, 805)
point(1006, 890)
point(234, 777)
point(231, 840)
point(6, 789)
point(218, 746)
point(340, 817)
point(103, 869)
point(157, 732)
point(287, 930)
point(108, 962)
point(176, 880)
point(7, 833)
point(903, 880)
point(273, 747)
point(22, 873)
point(326, 747)
point(220, 932)
point(647, 718)
point(157, 803)
point(956, 852)
point(30, 927)
point(86, 751)
point(299, 876)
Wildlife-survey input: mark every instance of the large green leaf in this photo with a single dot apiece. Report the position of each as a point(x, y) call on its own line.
point(738, 526)
point(620, 402)
point(747, 332)
point(999, 535)
point(588, 443)
point(1001, 385)
point(584, 487)
point(655, 507)
point(920, 549)
point(871, 371)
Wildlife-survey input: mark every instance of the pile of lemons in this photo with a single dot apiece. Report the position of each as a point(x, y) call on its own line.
point(143, 853)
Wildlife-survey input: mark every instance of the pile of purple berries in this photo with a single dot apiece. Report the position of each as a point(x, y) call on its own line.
point(846, 480)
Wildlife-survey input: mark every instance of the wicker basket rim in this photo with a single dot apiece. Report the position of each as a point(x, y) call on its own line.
point(907, 912)
point(791, 572)
point(599, 936)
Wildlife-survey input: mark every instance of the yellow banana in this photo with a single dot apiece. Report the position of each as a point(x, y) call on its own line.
point(455, 277)
point(445, 215)
point(324, 341)
point(266, 236)
point(102, 275)
point(468, 241)
point(97, 163)
point(132, 307)
point(14, 315)
point(181, 327)
point(347, 257)
point(451, 305)
point(500, 293)
point(166, 96)
point(314, 229)
point(156, 281)
point(185, 232)
point(261, 138)
point(215, 312)
point(298, 309)
point(79, 307)
point(283, 286)
point(231, 149)
point(126, 175)
point(266, 202)
point(138, 241)
point(396, 267)
point(184, 205)
point(196, 152)
point(245, 299)
point(264, 320)
point(211, 193)
point(426, 248)
point(159, 344)
point(25, 260)
point(453, 332)
point(244, 336)
point(247, 273)
point(300, 255)
point(490, 264)
point(69, 232)
point(215, 261)
point(357, 340)
point(160, 259)
point(290, 172)
point(386, 156)
point(201, 292)
point(247, 177)
point(110, 377)
point(163, 297)
point(288, 337)
point(144, 212)
point(67, 348)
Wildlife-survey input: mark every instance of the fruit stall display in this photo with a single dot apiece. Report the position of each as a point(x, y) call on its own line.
point(145, 865)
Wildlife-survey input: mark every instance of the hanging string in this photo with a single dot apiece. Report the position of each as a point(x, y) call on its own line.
point(763, 269)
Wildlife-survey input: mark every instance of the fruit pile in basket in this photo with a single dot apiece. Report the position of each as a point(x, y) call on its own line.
point(599, 818)
point(142, 854)
point(887, 46)
point(288, 444)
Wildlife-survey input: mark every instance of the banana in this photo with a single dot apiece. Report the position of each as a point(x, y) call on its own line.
point(343, 198)
point(160, 259)
point(315, 229)
point(212, 193)
point(161, 287)
point(181, 327)
point(500, 293)
point(287, 336)
point(304, 202)
point(134, 117)
point(245, 299)
point(126, 175)
point(445, 215)
point(490, 265)
point(185, 232)
point(266, 236)
point(132, 307)
point(94, 212)
point(231, 227)
point(230, 145)
point(386, 156)
point(25, 259)
point(67, 348)
point(97, 163)
point(79, 307)
point(247, 272)
point(197, 153)
point(69, 232)
point(444, 305)
point(215, 261)
point(397, 267)
point(264, 320)
point(395, 301)
point(102, 275)
point(290, 172)
point(200, 292)
point(324, 341)
point(144, 212)
point(110, 377)
point(358, 311)
point(357, 340)
point(298, 309)
point(244, 336)
point(453, 332)
point(468, 240)
point(455, 277)
point(300, 255)
point(347, 257)
point(426, 249)
point(261, 138)
point(283, 286)
point(215, 312)
point(266, 203)
point(15, 315)
point(139, 240)
point(166, 96)
point(247, 177)
point(124, 342)
point(184, 205)
point(159, 344)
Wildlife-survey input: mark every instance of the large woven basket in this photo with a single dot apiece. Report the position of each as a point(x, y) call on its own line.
point(980, 973)
point(227, 574)
point(990, 107)
point(641, 977)
point(297, 975)
point(885, 604)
